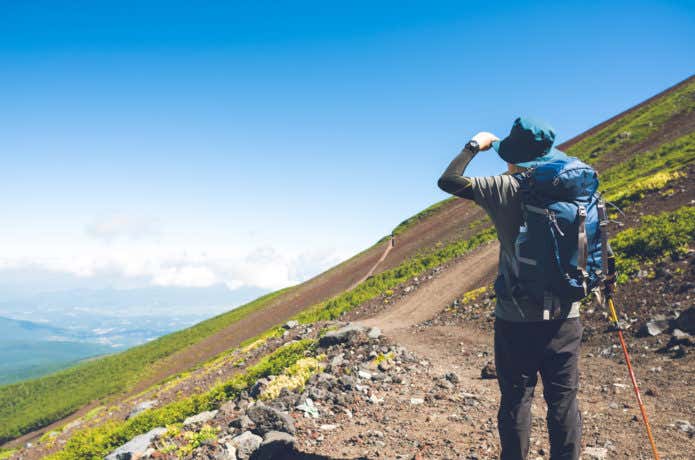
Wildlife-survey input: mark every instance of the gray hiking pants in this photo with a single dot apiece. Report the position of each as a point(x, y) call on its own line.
point(522, 350)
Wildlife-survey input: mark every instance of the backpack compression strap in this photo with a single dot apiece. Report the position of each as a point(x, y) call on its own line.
point(582, 245)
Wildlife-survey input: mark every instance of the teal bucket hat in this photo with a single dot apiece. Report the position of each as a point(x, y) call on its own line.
point(529, 143)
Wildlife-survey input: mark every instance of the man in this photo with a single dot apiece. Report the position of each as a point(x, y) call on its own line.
point(525, 343)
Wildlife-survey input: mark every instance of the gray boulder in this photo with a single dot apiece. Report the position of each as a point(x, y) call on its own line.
point(291, 324)
point(268, 419)
point(136, 446)
point(201, 418)
point(141, 407)
point(653, 328)
point(276, 444)
point(246, 444)
point(342, 335)
point(243, 423)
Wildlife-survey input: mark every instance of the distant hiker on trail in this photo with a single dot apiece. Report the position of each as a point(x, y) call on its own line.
point(545, 215)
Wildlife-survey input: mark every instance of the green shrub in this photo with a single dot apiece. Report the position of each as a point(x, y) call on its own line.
point(656, 237)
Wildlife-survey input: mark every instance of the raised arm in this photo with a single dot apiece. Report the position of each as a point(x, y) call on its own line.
point(452, 179)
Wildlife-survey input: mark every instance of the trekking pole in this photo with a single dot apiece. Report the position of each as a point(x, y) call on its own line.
point(608, 260)
point(614, 320)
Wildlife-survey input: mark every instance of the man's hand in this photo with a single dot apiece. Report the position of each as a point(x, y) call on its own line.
point(485, 140)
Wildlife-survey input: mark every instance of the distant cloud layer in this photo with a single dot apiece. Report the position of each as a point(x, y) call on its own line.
point(123, 266)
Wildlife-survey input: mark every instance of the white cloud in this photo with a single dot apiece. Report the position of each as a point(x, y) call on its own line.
point(122, 226)
point(187, 275)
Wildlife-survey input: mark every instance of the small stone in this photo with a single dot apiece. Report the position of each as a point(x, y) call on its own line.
point(452, 377)
point(375, 400)
point(416, 401)
point(328, 427)
point(291, 324)
point(384, 366)
point(489, 371)
point(447, 385)
point(595, 453)
point(685, 426)
point(374, 333)
point(364, 375)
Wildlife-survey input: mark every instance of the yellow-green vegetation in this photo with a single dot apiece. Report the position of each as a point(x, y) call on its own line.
point(92, 414)
point(379, 284)
point(636, 126)
point(381, 357)
point(638, 189)
point(196, 439)
point(656, 237)
point(293, 378)
point(627, 182)
point(32, 404)
point(470, 296)
point(7, 453)
point(96, 442)
point(253, 345)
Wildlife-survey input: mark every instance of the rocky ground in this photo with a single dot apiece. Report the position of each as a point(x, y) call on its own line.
point(377, 399)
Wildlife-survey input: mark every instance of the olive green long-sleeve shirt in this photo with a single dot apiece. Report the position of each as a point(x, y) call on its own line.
point(500, 198)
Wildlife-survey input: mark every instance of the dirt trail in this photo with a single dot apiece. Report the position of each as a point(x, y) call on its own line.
point(431, 298)
point(388, 248)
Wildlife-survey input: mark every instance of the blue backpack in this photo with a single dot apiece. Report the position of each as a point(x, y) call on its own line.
point(558, 249)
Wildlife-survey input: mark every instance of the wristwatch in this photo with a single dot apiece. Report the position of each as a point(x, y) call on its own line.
point(473, 146)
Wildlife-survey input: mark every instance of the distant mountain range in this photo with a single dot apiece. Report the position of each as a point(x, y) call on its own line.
point(48, 331)
point(30, 349)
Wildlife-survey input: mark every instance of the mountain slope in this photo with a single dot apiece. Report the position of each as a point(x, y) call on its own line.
point(447, 234)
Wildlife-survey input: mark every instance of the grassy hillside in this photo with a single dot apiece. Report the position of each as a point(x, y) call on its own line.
point(35, 403)
point(634, 160)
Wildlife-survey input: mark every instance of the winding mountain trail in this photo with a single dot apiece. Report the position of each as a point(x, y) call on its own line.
point(387, 249)
point(431, 298)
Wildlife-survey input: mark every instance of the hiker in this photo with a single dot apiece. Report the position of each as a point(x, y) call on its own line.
point(538, 333)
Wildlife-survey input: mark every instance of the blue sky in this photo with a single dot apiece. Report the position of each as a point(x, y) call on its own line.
point(257, 143)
